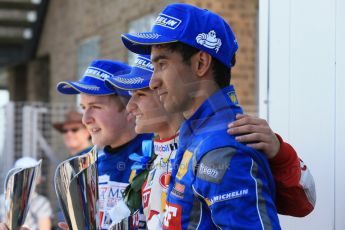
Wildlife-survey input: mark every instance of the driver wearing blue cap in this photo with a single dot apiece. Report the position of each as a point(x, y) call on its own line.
point(112, 131)
point(292, 196)
point(216, 182)
point(151, 117)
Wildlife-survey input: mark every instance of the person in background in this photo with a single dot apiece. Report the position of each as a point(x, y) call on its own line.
point(40, 212)
point(75, 135)
point(76, 139)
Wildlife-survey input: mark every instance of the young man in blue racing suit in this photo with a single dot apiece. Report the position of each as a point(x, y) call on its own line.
point(111, 129)
point(292, 197)
point(216, 182)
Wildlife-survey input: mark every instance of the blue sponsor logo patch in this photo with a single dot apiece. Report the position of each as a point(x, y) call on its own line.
point(233, 97)
point(168, 21)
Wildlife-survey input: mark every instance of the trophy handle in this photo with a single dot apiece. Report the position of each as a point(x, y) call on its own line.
point(8, 176)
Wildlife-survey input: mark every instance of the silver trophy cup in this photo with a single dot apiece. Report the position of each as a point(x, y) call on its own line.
point(20, 183)
point(76, 186)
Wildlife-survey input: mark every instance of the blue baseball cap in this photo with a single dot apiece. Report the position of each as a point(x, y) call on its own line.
point(190, 25)
point(138, 78)
point(92, 82)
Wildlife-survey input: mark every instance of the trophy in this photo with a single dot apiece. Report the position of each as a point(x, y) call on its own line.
point(20, 184)
point(76, 186)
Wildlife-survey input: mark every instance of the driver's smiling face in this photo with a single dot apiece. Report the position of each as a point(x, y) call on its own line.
point(173, 79)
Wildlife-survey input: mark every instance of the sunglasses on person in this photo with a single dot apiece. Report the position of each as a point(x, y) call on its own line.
point(73, 130)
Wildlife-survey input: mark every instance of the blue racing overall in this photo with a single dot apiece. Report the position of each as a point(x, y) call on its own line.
point(217, 182)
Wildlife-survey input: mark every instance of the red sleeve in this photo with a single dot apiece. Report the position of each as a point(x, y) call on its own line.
point(293, 196)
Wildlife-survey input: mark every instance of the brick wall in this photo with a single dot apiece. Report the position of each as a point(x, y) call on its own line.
point(38, 80)
point(69, 22)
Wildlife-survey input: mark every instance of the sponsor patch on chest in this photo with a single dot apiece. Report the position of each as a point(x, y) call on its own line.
point(182, 170)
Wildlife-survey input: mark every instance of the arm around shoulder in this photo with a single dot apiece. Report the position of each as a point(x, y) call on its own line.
point(295, 186)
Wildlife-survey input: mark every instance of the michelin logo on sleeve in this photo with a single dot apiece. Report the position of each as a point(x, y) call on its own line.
point(167, 21)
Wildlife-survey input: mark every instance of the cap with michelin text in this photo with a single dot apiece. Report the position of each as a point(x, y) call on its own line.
point(92, 81)
point(190, 25)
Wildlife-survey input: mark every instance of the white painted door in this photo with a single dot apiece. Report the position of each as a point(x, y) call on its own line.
point(302, 94)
